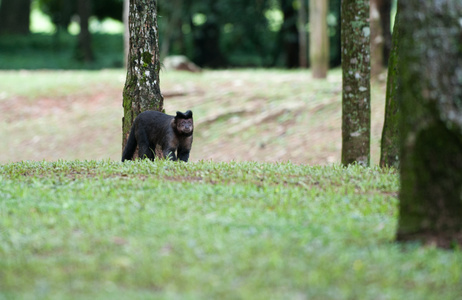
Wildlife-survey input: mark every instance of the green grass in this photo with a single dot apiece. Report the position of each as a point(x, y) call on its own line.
point(35, 85)
point(205, 230)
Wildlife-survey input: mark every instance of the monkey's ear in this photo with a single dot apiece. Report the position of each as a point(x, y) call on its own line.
point(186, 115)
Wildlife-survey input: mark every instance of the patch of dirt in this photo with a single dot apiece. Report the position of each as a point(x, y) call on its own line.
point(239, 115)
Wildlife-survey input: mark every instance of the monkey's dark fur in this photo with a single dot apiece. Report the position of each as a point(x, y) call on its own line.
point(171, 133)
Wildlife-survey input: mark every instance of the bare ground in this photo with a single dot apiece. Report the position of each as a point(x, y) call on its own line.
point(251, 115)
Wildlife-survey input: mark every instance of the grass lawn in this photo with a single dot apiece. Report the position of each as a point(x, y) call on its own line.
point(236, 222)
point(210, 230)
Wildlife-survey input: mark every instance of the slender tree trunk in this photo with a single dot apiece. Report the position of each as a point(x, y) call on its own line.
point(171, 32)
point(319, 39)
point(207, 41)
point(389, 148)
point(356, 108)
point(430, 97)
point(126, 12)
point(142, 90)
point(289, 34)
point(14, 16)
point(302, 40)
point(84, 51)
point(384, 7)
point(335, 39)
point(376, 39)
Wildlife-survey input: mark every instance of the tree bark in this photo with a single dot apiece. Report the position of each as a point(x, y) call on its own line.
point(430, 97)
point(142, 90)
point(302, 40)
point(319, 39)
point(356, 109)
point(389, 148)
point(84, 51)
point(14, 16)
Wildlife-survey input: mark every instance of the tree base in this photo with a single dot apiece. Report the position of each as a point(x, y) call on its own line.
point(441, 240)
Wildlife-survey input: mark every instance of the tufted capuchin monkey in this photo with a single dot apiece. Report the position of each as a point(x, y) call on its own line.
point(153, 128)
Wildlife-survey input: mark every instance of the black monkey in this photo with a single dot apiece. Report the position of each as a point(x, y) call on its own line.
point(171, 133)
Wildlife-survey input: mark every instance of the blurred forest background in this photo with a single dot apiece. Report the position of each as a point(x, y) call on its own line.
point(58, 100)
point(212, 33)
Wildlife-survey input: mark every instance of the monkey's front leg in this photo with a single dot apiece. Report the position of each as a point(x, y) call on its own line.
point(169, 153)
point(183, 154)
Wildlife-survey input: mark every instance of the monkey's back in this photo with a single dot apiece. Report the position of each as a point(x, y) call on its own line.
point(156, 125)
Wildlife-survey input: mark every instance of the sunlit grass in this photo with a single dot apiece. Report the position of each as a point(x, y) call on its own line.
point(205, 230)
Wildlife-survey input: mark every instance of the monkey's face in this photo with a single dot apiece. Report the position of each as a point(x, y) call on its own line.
point(185, 126)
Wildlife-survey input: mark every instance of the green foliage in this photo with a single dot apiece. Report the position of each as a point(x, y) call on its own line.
point(103, 229)
point(240, 33)
point(39, 51)
point(61, 11)
point(212, 33)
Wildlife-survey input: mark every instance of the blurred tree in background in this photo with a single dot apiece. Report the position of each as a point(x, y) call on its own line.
point(14, 16)
point(319, 39)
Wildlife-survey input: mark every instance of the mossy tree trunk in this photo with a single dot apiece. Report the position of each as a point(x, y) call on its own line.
point(356, 108)
point(319, 38)
point(430, 97)
point(389, 148)
point(141, 91)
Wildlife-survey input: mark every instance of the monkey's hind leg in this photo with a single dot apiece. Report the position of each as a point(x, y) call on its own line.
point(130, 147)
point(144, 151)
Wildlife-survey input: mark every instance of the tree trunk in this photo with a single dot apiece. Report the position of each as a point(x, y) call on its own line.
point(430, 97)
point(142, 90)
point(84, 51)
point(319, 39)
point(302, 40)
point(376, 39)
point(173, 30)
point(289, 34)
point(356, 108)
point(126, 12)
point(207, 39)
point(384, 7)
point(14, 16)
point(335, 39)
point(389, 148)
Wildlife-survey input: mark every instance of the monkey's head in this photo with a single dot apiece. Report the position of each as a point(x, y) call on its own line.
point(183, 123)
